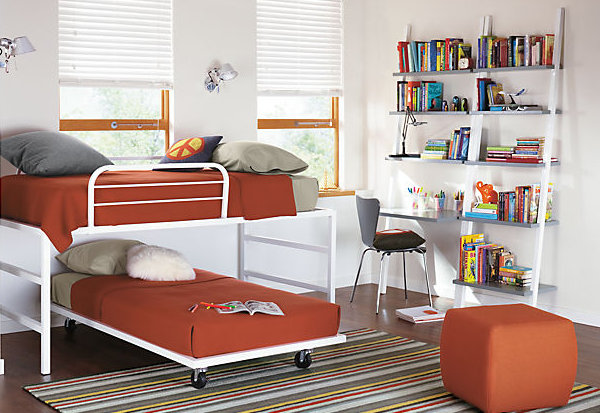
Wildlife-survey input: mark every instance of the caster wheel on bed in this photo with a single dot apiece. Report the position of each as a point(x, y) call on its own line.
point(303, 359)
point(70, 325)
point(198, 379)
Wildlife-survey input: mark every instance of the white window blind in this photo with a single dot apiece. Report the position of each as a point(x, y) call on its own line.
point(299, 47)
point(121, 43)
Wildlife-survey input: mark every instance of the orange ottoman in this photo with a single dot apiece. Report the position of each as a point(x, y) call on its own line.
point(508, 357)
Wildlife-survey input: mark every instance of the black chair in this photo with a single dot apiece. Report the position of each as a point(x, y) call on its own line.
point(386, 242)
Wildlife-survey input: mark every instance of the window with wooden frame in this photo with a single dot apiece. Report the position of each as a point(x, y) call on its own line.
point(299, 80)
point(124, 124)
point(313, 134)
point(115, 72)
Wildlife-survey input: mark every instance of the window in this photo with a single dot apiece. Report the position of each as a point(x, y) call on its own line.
point(307, 127)
point(115, 72)
point(299, 61)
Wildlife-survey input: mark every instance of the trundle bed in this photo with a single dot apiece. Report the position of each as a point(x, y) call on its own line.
point(46, 216)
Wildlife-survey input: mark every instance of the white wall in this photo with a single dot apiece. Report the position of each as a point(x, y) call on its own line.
point(29, 94)
point(570, 247)
point(206, 33)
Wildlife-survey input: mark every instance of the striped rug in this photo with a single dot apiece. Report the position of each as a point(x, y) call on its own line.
point(372, 372)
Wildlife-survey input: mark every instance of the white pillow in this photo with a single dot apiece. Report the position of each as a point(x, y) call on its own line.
point(153, 263)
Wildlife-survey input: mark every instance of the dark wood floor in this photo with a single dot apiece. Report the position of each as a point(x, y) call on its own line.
point(91, 352)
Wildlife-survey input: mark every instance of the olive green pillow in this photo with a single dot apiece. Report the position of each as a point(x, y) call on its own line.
point(105, 257)
point(258, 158)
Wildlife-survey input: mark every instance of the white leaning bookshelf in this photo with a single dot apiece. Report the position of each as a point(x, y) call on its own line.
point(473, 162)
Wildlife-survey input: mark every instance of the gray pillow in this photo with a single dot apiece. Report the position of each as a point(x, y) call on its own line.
point(257, 157)
point(51, 154)
point(105, 257)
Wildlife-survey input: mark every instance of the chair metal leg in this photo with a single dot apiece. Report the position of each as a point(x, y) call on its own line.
point(358, 273)
point(404, 267)
point(380, 278)
point(427, 279)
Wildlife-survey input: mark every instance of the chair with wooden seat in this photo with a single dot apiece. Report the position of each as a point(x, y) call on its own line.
point(386, 242)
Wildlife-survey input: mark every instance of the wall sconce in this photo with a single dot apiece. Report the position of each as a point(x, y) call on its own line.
point(14, 47)
point(216, 75)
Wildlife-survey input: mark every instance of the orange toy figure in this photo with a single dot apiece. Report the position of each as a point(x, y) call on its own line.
point(488, 195)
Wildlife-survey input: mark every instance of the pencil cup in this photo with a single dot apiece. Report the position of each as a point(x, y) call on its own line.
point(415, 201)
point(422, 202)
point(439, 203)
point(457, 205)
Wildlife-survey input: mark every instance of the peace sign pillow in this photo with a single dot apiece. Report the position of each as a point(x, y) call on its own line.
point(192, 150)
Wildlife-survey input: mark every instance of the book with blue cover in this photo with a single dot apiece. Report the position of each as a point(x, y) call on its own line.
point(481, 215)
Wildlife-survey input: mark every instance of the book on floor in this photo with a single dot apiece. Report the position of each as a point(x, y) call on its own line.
point(423, 314)
point(250, 306)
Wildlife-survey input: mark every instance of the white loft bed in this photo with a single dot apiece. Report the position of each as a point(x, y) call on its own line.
point(29, 239)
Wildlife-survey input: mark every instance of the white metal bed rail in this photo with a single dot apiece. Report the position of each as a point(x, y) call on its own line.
point(93, 186)
point(329, 250)
point(42, 279)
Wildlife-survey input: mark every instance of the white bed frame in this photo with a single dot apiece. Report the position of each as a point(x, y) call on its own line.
point(42, 323)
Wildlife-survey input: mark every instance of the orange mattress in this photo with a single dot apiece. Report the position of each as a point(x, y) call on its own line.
point(158, 312)
point(58, 205)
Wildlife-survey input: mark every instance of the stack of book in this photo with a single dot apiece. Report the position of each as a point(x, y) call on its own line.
point(436, 149)
point(512, 51)
point(423, 314)
point(515, 275)
point(529, 150)
point(459, 144)
point(522, 204)
point(434, 55)
point(482, 210)
point(480, 261)
point(419, 96)
point(499, 153)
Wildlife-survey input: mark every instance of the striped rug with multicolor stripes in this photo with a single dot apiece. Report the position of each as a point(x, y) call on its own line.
point(371, 372)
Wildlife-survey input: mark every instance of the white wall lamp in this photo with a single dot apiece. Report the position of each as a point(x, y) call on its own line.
point(217, 74)
point(14, 47)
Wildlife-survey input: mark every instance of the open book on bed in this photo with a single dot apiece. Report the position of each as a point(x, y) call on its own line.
point(250, 306)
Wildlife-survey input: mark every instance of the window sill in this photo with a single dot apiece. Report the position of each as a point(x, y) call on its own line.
point(324, 193)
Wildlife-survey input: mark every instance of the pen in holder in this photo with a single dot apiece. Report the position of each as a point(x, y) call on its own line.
point(439, 203)
point(457, 205)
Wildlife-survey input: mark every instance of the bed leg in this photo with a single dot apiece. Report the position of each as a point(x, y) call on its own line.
point(331, 258)
point(241, 251)
point(198, 378)
point(45, 304)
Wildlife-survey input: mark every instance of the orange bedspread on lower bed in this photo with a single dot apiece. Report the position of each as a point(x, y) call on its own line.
point(59, 204)
point(158, 312)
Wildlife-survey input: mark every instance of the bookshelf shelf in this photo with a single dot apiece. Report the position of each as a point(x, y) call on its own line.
point(446, 161)
point(430, 112)
point(433, 73)
point(511, 112)
point(507, 223)
point(513, 69)
point(506, 289)
point(512, 164)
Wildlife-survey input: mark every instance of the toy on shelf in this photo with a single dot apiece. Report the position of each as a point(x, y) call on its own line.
point(488, 194)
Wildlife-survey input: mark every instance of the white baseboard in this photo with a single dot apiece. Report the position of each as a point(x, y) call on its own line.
point(481, 298)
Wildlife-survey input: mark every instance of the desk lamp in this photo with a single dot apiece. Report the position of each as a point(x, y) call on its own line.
point(409, 119)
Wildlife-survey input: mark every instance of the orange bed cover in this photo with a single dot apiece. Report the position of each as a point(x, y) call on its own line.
point(58, 205)
point(158, 312)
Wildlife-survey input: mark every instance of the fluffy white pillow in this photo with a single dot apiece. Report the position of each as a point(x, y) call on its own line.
point(153, 263)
